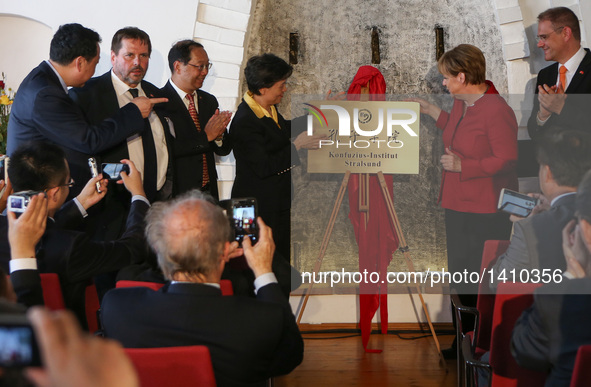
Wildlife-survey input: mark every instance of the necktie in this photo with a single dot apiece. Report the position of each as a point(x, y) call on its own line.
point(193, 113)
point(562, 77)
point(150, 162)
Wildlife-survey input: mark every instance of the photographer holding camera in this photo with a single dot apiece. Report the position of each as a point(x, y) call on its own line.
point(71, 254)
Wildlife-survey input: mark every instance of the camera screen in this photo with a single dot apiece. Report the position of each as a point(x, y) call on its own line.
point(244, 221)
point(112, 171)
point(517, 203)
point(16, 346)
point(16, 202)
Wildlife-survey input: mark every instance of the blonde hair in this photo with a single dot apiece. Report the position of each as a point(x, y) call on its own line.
point(467, 59)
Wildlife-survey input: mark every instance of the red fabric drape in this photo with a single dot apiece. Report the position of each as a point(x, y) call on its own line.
point(378, 240)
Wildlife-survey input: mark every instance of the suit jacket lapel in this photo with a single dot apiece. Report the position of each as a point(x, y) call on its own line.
point(178, 108)
point(110, 102)
point(581, 73)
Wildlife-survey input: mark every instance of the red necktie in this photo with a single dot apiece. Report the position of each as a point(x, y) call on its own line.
point(562, 77)
point(193, 113)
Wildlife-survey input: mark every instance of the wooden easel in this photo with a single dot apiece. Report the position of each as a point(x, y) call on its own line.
point(364, 206)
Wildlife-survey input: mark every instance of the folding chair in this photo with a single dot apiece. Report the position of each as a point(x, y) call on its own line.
point(511, 300)
point(480, 336)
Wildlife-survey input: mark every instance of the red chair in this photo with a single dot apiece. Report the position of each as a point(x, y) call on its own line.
point(173, 366)
point(480, 336)
point(92, 307)
point(225, 285)
point(582, 371)
point(511, 300)
point(486, 299)
point(133, 284)
point(52, 291)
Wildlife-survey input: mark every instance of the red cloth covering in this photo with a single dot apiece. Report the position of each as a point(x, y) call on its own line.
point(378, 241)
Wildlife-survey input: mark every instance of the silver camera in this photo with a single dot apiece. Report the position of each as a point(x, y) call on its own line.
point(18, 201)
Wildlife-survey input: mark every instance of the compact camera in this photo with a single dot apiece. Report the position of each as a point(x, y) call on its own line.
point(18, 346)
point(242, 214)
point(112, 171)
point(18, 201)
point(516, 203)
point(94, 172)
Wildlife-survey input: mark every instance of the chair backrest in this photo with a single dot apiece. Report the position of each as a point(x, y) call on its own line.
point(225, 285)
point(173, 366)
point(132, 284)
point(511, 300)
point(52, 291)
point(486, 300)
point(582, 371)
point(92, 305)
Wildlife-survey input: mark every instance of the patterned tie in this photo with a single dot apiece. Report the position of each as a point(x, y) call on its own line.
point(193, 113)
point(150, 163)
point(562, 77)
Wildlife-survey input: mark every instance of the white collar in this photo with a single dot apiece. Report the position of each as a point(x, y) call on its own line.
point(122, 88)
point(573, 63)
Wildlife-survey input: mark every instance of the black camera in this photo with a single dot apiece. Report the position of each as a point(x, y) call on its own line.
point(112, 171)
point(516, 203)
point(242, 214)
point(18, 201)
point(18, 346)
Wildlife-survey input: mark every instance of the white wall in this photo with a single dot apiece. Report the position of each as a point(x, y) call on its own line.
point(20, 53)
point(165, 22)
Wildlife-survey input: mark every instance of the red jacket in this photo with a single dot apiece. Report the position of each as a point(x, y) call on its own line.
point(486, 142)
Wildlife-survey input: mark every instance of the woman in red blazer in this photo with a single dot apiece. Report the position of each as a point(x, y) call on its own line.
point(480, 159)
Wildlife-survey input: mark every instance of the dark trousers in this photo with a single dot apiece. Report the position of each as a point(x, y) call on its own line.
point(466, 233)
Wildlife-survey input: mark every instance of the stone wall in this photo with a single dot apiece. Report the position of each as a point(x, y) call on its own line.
point(335, 40)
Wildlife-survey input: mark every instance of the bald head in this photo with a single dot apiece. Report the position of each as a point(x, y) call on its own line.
point(188, 235)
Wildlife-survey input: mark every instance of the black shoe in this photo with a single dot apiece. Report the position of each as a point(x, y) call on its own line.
point(450, 353)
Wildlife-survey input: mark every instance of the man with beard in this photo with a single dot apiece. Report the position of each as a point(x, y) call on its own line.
point(99, 98)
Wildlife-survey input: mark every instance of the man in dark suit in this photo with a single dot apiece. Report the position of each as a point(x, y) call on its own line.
point(564, 158)
point(104, 95)
point(42, 110)
point(249, 339)
point(548, 334)
point(560, 87)
point(199, 127)
point(42, 167)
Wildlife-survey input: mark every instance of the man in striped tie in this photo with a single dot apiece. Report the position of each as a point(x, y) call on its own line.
point(199, 128)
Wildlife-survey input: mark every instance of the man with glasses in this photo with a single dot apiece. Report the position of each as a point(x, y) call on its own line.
point(199, 128)
point(42, 167)
point(559, 36)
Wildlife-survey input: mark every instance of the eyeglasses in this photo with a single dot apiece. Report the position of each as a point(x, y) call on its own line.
point(543, 38)
point(70, 184)
point(202, 67)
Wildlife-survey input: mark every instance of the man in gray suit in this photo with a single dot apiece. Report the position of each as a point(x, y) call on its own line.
point(536, 243)
point(547, 335)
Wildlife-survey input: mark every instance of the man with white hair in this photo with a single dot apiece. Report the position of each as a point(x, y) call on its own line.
point(249, 339)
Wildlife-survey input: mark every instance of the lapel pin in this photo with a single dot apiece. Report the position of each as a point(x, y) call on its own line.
point(581, 72)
